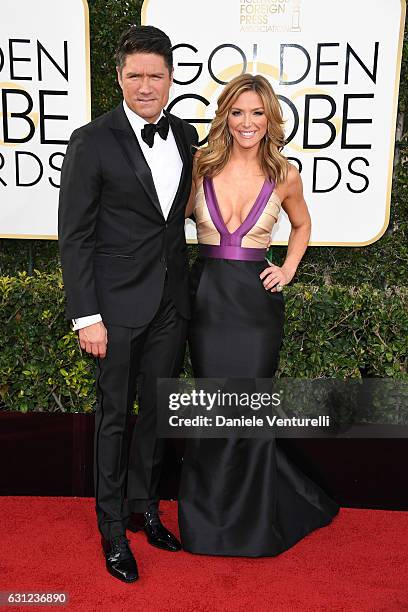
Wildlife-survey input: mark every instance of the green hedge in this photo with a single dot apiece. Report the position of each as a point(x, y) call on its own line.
point(330, 331)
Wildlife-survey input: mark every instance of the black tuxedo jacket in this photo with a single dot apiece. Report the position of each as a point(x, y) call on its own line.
point(115, 244)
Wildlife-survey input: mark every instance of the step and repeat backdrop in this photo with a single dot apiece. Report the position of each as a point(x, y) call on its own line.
point(335, 67)
point(45, 95)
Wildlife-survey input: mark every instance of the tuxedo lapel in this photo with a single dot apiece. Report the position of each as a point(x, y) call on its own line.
point(181, 145)
point(130, 146)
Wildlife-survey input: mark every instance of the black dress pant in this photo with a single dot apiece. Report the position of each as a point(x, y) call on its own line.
point(135, 359)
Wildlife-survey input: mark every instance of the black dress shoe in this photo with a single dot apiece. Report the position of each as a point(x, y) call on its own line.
point(120, 561)
point(157, 534)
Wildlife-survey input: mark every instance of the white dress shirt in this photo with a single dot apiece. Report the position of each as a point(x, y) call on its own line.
point(165, 165)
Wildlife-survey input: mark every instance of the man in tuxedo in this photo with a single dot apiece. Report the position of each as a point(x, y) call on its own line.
point(125, 182)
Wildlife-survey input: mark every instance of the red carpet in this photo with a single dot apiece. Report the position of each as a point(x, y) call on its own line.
point(358, 563)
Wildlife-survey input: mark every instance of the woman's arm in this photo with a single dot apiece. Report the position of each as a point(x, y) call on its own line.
point(295, 206)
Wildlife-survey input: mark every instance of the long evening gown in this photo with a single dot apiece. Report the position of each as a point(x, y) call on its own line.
point(240, 496)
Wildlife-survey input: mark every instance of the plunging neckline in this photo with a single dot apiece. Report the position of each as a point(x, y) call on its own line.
point(253, 207)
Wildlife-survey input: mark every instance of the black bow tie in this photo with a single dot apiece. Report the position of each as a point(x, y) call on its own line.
point(150, 129)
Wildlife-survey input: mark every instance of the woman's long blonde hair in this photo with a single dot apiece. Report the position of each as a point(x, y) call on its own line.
point(216, 154)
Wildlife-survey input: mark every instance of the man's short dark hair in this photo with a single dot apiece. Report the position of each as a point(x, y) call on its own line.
point(143, 39)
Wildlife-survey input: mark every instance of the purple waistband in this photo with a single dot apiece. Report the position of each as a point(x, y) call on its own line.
point(231, 252)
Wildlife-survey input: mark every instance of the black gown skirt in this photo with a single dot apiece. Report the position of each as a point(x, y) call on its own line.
point(241, 496)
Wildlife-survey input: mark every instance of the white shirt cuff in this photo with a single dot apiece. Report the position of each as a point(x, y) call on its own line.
point(85, 321)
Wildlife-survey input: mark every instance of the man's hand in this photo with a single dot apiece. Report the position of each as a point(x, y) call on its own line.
point(94, 339)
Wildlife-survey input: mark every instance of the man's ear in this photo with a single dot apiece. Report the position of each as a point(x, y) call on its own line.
point(118, 72)
point(171, 76)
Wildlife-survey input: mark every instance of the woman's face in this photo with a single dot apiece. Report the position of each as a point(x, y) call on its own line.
point(247, 121)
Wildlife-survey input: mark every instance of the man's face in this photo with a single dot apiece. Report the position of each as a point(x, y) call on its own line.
point(145, 82)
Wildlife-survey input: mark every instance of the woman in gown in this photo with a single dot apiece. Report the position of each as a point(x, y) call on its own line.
point(241, 496)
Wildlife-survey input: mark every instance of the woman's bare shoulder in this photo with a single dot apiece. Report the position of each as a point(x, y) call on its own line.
point(292, 182)
point(293, 176)
point(284, 187)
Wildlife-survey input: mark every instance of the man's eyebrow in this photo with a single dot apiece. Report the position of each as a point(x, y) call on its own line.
point(136, 73)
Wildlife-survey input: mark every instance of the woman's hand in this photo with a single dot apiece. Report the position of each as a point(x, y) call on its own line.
point(273, 276)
